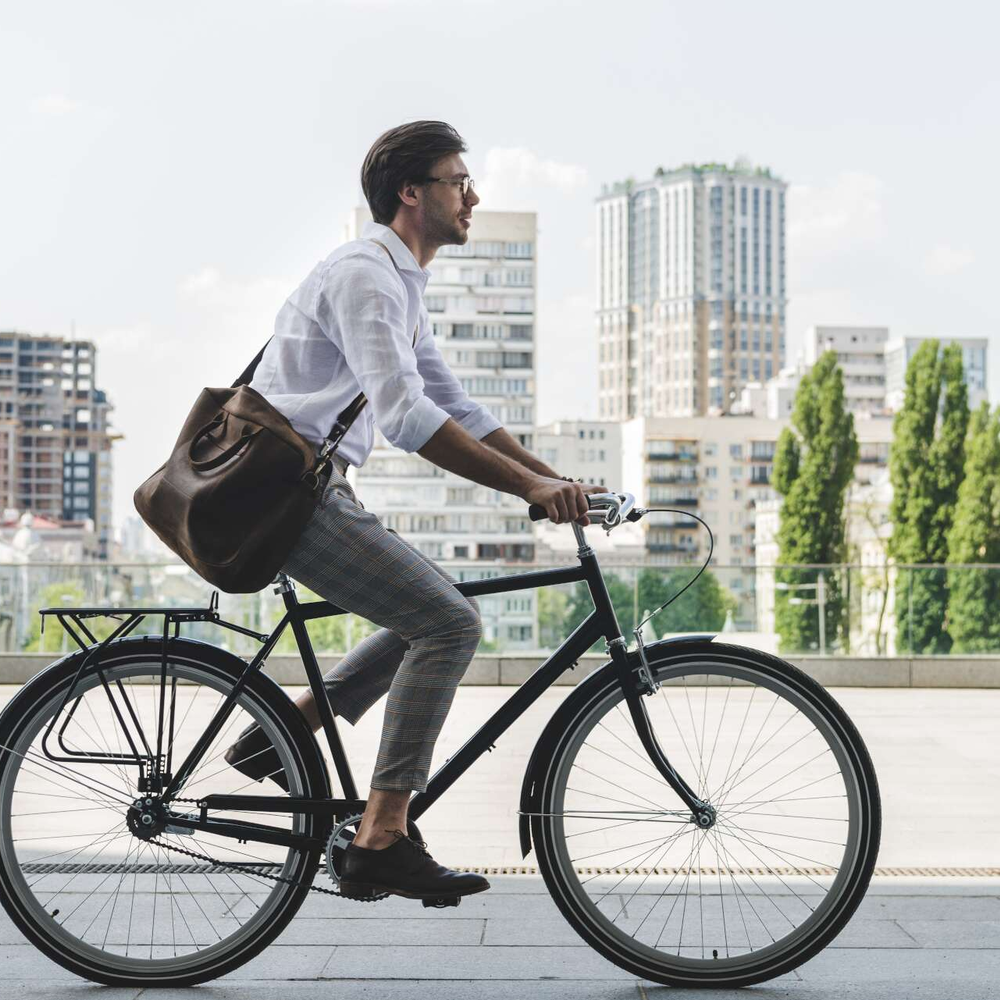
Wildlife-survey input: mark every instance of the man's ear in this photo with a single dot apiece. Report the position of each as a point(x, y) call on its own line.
point(408, 194)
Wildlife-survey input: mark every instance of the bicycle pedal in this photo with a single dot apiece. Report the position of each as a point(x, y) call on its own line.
point(442, 901)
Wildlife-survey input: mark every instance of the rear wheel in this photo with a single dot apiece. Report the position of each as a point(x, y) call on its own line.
point(787, 860)
point(78, 872)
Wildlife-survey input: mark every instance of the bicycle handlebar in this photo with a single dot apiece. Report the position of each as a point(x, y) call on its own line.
point(616, 507)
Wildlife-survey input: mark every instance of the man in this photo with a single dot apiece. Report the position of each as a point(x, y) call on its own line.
point(358, 322)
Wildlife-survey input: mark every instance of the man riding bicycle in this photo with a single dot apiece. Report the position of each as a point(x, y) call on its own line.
point(358, 323)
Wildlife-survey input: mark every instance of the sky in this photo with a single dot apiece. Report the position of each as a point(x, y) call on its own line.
point(169, 173)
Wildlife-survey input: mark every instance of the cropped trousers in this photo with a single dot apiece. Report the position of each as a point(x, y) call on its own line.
point(427, 637)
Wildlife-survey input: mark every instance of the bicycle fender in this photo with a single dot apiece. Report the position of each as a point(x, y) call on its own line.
point(595, 681)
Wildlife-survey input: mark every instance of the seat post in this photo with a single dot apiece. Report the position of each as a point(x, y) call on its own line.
point(283, 585)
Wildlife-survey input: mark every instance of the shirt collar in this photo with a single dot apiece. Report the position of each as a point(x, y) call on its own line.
point(398, 250)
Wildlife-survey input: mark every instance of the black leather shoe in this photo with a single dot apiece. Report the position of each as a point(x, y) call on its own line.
point(405, 868)
point(254, 755)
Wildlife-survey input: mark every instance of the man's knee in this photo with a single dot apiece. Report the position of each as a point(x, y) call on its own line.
point(472, 623)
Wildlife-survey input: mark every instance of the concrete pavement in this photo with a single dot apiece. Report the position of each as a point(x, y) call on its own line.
point(933, 936)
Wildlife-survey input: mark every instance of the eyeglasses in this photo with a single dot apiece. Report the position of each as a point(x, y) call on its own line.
point(466, 183)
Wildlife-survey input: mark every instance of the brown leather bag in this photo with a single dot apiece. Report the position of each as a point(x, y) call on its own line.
point(239, 486)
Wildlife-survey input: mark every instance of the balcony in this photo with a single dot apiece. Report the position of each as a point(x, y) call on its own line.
point(670, 547)
point(676, 478)
point(671, 456)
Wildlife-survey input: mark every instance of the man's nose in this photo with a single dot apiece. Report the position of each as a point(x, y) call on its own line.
point(473, 198)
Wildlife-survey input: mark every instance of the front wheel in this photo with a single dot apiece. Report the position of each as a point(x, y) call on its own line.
point(796, 831)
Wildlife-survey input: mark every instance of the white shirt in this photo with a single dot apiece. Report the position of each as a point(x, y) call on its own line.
point(348, 328)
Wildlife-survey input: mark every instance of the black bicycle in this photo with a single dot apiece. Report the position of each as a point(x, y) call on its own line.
point(703, 814)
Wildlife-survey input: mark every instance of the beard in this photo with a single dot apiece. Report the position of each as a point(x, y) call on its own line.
point(443, 228)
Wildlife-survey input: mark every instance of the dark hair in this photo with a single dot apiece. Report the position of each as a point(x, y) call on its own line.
point(405, 153)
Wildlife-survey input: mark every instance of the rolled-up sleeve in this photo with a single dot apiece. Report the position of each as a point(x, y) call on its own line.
point(368, 312)
point(443, 387)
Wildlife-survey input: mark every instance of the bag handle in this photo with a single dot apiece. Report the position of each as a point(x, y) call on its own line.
point(234, 449)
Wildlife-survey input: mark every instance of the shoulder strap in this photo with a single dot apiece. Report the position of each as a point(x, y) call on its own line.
point(247, 377)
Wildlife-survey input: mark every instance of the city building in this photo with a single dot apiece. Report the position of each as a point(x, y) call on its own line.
point(583, 449)
point(481, 301)
point(55, 440)
point(716, 468)
point(860, 353)
point(900, 350)
point(772, 399)
point(690, 289)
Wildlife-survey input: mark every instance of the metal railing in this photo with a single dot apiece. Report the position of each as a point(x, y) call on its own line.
point(842, 609)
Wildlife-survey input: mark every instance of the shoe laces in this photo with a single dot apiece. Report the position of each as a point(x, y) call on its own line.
point(417, 845)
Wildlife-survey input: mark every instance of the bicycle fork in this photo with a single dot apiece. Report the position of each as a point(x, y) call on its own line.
point(702, 813)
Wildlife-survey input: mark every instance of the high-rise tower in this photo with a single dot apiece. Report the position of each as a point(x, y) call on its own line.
point(690, 289)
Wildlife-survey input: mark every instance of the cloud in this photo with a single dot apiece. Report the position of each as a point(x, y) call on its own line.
point(518, 178)
point(944, 260)
point(850, 206)
point(54, 104)
point(206, 279)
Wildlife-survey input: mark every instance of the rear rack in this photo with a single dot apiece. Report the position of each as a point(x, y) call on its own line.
point(158, 759)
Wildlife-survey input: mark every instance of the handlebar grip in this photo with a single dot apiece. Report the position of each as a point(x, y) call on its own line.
point(537, 512)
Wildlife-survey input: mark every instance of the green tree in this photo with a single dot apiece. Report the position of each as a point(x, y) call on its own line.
point(974, 537)
point(813, 465)
point(701, 608)
point(69, 594)
point(328, 635)
point(552, 604)
point(926, 467)
point(580, 605)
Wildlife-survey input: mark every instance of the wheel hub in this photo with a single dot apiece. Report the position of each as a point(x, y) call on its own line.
point(146, 817)
point(705, 817)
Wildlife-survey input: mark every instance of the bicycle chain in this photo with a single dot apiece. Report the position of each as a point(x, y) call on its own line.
point(240, 868)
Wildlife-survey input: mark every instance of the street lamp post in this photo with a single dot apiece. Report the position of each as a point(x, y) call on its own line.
point(819, 600)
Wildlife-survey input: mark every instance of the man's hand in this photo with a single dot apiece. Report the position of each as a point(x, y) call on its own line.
point(562, 501)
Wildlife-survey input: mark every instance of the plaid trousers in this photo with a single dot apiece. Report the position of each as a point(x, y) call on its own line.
point(429, 631)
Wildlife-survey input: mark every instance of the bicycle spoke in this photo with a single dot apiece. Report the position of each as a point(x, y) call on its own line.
point(139, 901)
point(704, 895)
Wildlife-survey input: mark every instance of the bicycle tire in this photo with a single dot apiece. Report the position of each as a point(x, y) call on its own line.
point(567, 733)
point(309, 777)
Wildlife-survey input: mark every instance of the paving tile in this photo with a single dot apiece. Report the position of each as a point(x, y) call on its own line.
point(428, 989)
point(284, 962)
point(953, 933)
point(379, 930)
point(25, 961)
point(530, 932)
point(930, 907)
point(483, 904)
point(388, 962)
point(911, 965)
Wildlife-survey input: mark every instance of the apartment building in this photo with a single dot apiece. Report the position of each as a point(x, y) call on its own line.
point(900, 350)
point(860, 354)
point(721, 470)
point(481, 301)
point(583, 449)
point(690, 289)
point(55, 440)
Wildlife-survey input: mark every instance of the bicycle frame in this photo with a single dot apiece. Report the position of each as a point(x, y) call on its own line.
point(601, 622)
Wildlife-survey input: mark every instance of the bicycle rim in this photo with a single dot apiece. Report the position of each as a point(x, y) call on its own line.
point(777, 875)
point(102, 898)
